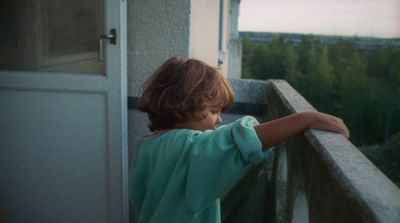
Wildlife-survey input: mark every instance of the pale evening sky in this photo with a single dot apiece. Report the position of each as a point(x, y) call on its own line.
point(377, 18)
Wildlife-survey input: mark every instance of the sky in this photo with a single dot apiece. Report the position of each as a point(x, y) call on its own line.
point(372, 18)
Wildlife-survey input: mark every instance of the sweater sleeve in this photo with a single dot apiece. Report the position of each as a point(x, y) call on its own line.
point(217, 159)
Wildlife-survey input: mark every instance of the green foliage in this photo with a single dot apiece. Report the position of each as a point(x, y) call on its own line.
point(277, 58)
point(386, 157)
point(359, 85)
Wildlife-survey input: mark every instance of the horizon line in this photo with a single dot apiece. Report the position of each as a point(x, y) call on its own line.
point(325, 34)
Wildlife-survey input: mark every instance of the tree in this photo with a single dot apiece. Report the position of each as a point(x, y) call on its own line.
point(247, 54)
point(359, 85)
point(313, 77)
point(386, 157)
point(268, 61)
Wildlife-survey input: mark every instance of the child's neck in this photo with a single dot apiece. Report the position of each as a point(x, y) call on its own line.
point(187, 125)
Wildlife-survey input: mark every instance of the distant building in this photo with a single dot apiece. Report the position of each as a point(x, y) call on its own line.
point(295, 38)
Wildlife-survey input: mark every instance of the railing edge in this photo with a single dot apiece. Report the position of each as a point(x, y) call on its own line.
point(379, 198)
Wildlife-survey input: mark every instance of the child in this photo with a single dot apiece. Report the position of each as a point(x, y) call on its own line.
point(186, 164)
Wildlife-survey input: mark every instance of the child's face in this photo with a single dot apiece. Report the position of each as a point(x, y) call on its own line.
point(212, 119)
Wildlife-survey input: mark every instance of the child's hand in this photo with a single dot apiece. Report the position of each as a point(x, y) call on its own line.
point(328, 122)
point(275, 131)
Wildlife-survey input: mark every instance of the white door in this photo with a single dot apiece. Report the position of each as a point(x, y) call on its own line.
point(63, 113)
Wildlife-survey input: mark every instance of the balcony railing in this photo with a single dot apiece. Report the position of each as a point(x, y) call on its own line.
point(316, 176)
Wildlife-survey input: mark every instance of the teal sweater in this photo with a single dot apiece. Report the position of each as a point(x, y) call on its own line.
point(179, 175)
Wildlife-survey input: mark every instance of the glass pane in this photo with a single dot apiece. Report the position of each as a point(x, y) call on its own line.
point(51, 35)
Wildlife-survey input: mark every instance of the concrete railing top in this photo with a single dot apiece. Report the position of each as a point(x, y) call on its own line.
point(371, 194)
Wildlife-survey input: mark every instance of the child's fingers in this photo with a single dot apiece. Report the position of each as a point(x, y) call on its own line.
point(343, 128)
point(331, 123)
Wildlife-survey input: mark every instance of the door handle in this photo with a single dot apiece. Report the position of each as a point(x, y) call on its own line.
point(112, 37)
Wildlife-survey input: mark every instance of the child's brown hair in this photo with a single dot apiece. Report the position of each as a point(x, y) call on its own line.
point(179, 90)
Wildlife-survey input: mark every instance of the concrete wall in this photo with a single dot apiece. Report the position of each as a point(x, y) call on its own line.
point(226, 35)
point(157, 30)
point(235, 59)
point(204, 31)
point(235, 43)
point(317, 176)
point(320, 176)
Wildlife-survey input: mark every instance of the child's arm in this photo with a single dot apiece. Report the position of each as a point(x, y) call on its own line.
point(275, 131)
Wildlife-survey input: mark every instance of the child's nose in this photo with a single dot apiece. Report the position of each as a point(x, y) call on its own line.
point(219, 120)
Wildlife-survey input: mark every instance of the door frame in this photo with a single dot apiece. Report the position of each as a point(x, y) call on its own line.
point(115, 18)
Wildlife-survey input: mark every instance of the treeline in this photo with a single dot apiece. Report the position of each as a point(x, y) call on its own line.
point(362, 86)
